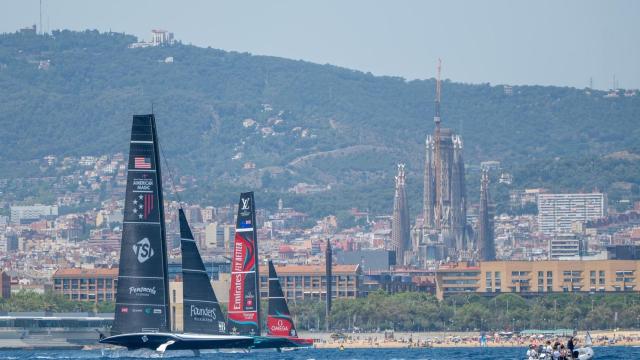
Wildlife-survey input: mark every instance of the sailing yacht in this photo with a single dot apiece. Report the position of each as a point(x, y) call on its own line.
point(280, 326)
point(244, 293)
point(142, 319)
point(201, 310)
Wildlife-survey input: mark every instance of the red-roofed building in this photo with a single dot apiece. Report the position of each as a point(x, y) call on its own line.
point(95, 285)
point(302, 282)
point(286, 252)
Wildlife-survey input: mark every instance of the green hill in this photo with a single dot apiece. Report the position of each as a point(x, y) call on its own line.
point(318, 124)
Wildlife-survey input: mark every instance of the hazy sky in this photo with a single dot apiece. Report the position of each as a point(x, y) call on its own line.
point(513, 42)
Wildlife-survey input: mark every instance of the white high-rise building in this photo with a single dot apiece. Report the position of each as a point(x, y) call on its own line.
point(557, 212)
point(30, 213)
point(565, 245)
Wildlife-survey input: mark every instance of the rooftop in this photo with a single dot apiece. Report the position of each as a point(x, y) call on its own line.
point(74, 272)
point(315, 269)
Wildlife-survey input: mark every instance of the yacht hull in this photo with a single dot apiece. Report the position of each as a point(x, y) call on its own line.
point(279, 342)
point(154, 341)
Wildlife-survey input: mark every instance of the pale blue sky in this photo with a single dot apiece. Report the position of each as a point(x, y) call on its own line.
point(545, 42)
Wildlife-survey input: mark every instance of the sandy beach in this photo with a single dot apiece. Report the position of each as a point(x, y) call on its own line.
point(461, 339)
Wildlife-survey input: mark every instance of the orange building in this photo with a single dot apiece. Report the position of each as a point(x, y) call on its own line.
point(537, 277)
point(95, 285)
point(302, 282)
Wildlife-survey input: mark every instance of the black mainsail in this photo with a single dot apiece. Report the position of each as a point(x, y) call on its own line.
point(244, 293)
point(142, 300)
point(279, 322)
point(201, 310)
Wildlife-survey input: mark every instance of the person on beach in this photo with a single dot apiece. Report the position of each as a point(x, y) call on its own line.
point(572, 344)
point(563, 353)
point(548, 349)
point(556, 352)
point(531, 353)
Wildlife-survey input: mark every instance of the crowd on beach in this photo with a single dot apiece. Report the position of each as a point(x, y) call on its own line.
point(407, 340)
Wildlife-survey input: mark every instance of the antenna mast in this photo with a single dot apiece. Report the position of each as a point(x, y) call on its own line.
point(438, 165)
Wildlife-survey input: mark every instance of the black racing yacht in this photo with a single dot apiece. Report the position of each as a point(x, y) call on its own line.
point(281, 330)
point(201, 310)
point(142, 319)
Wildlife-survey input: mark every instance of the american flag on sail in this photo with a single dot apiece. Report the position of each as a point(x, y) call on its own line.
point(142, 163)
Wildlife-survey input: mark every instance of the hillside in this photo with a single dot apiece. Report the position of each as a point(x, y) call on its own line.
point(297, 121)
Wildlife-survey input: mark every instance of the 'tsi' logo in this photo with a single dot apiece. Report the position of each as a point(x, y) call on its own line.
point(143, 250)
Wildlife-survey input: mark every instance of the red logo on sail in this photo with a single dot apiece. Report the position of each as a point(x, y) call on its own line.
point(279, 326)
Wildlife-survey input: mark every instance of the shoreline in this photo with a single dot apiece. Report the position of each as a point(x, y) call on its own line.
point(460, 340)
point(399, 340)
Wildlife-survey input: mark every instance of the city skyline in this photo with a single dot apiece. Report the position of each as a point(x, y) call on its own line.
point(375, 202)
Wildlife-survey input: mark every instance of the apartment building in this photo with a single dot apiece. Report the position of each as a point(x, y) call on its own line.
point(95, 285)
point(302, 282)
point(557, 212)
point(535, 277)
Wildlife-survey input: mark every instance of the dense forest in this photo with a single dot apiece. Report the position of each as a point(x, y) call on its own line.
point(73, 93)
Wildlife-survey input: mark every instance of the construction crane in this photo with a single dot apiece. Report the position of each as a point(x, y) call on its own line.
point(437, 164)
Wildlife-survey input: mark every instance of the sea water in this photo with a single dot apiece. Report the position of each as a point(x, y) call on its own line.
point(602, 353)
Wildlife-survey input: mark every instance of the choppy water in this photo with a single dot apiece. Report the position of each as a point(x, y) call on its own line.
point(602, 353)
